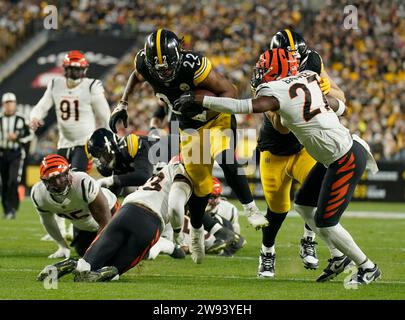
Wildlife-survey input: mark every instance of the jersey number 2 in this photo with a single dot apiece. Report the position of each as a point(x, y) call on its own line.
point(65, 109)
point(307, 113)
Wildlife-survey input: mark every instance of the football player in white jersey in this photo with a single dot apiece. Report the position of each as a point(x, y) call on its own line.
point(341, 157)
point(135, 228)
point(75, 196)
point(78, 101)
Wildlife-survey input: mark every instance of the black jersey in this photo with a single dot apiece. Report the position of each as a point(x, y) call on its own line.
point(286, 144)
point(193, 70)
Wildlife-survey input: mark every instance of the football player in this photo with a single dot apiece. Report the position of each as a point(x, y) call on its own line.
point(78, 101)
point(171, 71)
point(284, 159)
point(134, 229)
point(123, 161)
point(74, 196)
point(341, 157)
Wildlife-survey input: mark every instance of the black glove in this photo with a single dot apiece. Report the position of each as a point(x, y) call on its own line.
point(186, 106)
point(119, 113)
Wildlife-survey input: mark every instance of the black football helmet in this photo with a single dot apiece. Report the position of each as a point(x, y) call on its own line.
point(291, 41)
point(103, 145)
point(163, 55)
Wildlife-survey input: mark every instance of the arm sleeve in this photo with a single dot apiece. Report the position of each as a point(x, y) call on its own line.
point(178, 197)
point(41, 109)
point(99, 103)
point(49, 222)
point(143, 171)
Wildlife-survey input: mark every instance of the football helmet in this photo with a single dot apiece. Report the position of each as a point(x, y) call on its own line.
point(163, 55)
point(103, 146)
point(291, 41)
point(54, 173)
point(216, 193)
point(273, 65)
point(75, 65)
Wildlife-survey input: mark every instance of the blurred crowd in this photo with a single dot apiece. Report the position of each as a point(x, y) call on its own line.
point(367, 60)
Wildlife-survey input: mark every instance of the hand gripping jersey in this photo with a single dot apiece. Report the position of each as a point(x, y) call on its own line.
point(76, 109)
point(75, 207)
point(286, 144)
point(154, 194)
point(193, 70)
point(304, 110)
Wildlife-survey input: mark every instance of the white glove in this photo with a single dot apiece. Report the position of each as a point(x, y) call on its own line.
point(60, 253)
point(106, 182)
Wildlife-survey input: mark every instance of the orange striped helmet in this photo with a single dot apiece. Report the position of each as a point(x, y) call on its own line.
point(273, 65)
point(54, 172)
point(216, 187)
point(75, 58)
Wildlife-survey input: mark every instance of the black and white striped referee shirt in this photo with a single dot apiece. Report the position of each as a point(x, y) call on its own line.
point(13, 123)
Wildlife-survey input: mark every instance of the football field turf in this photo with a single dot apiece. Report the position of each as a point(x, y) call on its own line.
point(23, 255)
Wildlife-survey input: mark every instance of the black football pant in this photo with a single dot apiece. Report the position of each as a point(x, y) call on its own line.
point(76, 156)
point(331, 189)
point(82, 240)
point(126, 239)
point(11, 166)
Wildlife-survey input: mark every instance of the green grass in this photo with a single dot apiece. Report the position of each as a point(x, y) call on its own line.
point(22, 256)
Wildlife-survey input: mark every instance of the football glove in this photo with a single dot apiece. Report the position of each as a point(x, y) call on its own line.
point(185, 105)
point(325, 85)
point(60, 253)
point(119, 114)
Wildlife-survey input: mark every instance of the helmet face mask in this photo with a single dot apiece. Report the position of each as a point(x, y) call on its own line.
point(163, 55)
point(103, 147)
point(75, 73)
point(58, 185)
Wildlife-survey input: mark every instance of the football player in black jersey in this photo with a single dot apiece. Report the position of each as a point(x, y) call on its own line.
point(124, 162)
point(171, 71)
point(283, 159)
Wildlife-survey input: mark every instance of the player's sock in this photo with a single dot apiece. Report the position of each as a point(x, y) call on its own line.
point(275, 222)
point(308, 214)
point(83, 265)
point(248, 206)
point(368, 264)
point(267, 250)
point(344, 242)
point(197, 207)
point(308, 233)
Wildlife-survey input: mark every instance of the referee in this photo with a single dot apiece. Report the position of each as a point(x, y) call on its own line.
point(14, 131)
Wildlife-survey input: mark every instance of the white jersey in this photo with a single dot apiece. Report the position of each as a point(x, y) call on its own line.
point(304, 110)
point(228, 211)
point(154, 194)
point(76, 109)
point(75, 207)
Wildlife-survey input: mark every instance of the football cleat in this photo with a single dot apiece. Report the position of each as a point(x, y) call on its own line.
point(366, 276)
point(256, 219)
point(62, 268)
point(109, 273)
point(197, 244)
point(308, 253)
point(267, 264)
point(336, 266)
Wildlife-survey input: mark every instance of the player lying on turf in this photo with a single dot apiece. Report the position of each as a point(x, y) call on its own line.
point(134, 229)
point(75, 196)
point(221, 227)
point(341, 157)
